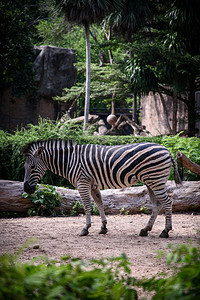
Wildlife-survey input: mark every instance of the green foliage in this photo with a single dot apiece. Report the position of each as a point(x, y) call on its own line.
point(184, 283)
point(12, 160)
point(95, 210)
point(77, 208)
point(188, 146)
point(17, 30)
point(108, 83)
point(124, 211)
point(98, 279)
point(154, 65)
point(54, 31)
point(144, 210)
point(44, 201)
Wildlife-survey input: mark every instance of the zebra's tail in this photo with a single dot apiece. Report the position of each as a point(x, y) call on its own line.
point(177, 176)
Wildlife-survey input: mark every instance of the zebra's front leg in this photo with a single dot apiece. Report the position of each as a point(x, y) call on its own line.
point(98, 200)
point(85, 196)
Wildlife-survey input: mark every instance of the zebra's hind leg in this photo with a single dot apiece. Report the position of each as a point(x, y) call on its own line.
point(155, 212)
point(168, 218)
point(166, 203)
point(83, 189)
point(98, 200)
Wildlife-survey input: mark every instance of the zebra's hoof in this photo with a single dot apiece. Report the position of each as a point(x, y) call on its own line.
point(84, 232)
point(164, 234)
point(103, 230)
point(143, 232)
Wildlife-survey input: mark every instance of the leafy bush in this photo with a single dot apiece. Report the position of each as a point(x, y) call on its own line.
point(95, 210)
point(78, 208)
point(12, 160)
point(189, 146)
point(99, 279)
point(184, 283)
point(44, 200)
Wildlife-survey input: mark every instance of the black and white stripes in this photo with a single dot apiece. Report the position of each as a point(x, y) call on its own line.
point(94, 167)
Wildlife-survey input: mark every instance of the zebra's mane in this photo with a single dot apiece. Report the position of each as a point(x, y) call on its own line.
point(32, 146)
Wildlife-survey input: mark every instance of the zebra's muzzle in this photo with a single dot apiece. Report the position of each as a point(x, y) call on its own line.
point(29, 189)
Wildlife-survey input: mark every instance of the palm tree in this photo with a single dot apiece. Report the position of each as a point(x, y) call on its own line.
point(184, 23)
point(86, 12)
point(132, 16)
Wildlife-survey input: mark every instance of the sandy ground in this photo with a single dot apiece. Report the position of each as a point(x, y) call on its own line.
point(59, 236)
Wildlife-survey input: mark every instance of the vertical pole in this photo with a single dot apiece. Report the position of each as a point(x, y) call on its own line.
point(88, 78)
point(175, 109)
point(134, 115)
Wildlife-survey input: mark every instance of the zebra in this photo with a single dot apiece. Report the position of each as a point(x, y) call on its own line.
point(90, 168)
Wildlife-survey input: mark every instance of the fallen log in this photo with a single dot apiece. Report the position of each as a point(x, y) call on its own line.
point(91, 119)
point(187, 163)
point(131, 200)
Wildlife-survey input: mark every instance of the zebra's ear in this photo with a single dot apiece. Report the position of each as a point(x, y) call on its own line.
point(38, 151)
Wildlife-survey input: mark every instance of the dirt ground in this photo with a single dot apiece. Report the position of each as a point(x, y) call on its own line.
point(59, 236)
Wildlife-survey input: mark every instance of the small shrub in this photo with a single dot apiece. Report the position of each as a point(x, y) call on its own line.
point(44, 200)
point(95, 210)
point(184, 284)
point(98, 279)
point(77, 208)
point(144, 210)
point(124, 211)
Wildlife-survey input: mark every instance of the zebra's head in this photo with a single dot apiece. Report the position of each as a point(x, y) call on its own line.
point(34, 167)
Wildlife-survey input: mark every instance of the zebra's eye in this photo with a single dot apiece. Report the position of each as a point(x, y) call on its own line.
point(32, 167)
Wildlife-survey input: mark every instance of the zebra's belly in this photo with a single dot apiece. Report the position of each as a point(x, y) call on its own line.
point(116, 184)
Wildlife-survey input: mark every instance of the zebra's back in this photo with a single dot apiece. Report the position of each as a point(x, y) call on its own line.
point(121, 166)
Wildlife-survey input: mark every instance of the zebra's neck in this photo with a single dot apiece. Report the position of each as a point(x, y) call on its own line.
point(58, 156)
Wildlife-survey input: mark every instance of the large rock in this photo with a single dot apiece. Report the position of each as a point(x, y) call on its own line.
point(54, 69)
point(185, 198)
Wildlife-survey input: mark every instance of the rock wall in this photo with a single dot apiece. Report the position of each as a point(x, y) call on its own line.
point(153, 116)
point(54, 71)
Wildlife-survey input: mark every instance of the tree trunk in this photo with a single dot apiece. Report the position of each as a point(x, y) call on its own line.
point(165, 113)
point(187, 163)
point(191, 108)
point(108, 35)
point(102, 55)
point(113, 106)
point(132, 200)
point(135, 110)
point(88, 77)
point(174, 118)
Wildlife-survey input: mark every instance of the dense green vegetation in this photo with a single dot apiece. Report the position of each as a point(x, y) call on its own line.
point(161, 42)
point(44, 201)
point(17, 31)
point(98, 279)
point(108, 84)
point(156, 42)
point(12, 160)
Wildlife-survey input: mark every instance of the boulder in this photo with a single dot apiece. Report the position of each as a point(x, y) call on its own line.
point(54, 69)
